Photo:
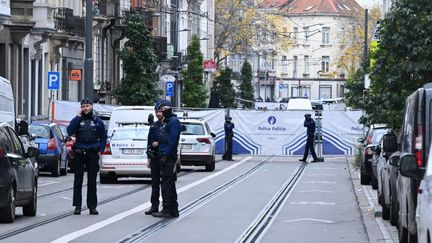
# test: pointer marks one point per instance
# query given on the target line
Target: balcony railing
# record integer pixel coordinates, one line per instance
(65, 21)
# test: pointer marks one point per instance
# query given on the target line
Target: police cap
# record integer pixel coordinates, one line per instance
(163, 103)
(86, 101)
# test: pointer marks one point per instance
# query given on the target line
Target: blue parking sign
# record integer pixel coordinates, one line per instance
(53, 80)
(169, 88)
(281, 86)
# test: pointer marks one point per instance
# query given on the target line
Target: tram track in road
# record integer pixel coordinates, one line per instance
(264, 220)
(62, 215)
(142, 234)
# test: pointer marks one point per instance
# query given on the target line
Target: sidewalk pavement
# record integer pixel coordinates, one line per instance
(378, 230)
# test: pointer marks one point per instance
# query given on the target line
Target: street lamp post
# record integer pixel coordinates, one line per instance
(88, 62)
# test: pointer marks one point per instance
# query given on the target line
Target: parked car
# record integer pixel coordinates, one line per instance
(383, 154)
(125, 154)
(424, 199)
(197, 143)
(52, 149)
(18, 177)
(415, 143)
(368, 144)
(393, 180)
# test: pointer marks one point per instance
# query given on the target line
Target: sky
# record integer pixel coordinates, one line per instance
(369, 3)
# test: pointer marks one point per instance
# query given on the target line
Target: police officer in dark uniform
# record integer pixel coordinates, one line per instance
(90, 141)
(153, 160)
(229, 134)
(310, 124)
(167, 140)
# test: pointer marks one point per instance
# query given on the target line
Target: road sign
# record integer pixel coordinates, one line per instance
(53, 80)
(169, 88)
(209, 65)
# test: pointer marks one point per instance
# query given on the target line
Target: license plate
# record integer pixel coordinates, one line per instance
(186, 146)
(133, 151)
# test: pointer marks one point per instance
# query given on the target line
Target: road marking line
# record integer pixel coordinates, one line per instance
(122, 215)
(48, 183)
(318, 191)
(322, 168)
(309, 219)
(320, 182)
(313, 203)
(67, 198)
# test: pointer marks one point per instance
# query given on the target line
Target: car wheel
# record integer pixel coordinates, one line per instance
(31, 208)
(64, 171)
(374, 182)
(385, 210)
(55, 171)
(7, 214)
(106, 179)
(394, 213)
(403, 234)
(210, 167)
(364, 179)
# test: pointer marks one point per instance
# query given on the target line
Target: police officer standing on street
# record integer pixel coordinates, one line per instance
(90, 141)
(153, 160)
(167, 141)
(310, 124)
(229, 134)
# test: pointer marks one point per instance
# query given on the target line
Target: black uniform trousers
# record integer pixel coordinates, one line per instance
(89, 159)
(310, 146)
(156, 181)
(228, 147)
(169, 192)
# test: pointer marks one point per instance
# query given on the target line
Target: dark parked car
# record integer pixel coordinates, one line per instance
(52, 149)
(415, 143)
(368, 145)
(385, 154)
(18, 177)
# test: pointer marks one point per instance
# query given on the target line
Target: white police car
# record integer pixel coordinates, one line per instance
(125, 153)
(197, 143)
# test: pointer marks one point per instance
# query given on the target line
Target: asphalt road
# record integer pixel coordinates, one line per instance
(252, 199)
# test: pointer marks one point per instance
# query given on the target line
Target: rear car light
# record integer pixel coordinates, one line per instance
(52, 144)
(419, 146)
(369, 139)
(107, 150)
(203, 140)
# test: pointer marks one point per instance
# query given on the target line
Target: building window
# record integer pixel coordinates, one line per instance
(284, 64)
(300, 91)
(306, 33)
(306, 64)
(295, 35)
(325, 91)
(325, 64)
(295, 67)
(326, 35)
(341, 91)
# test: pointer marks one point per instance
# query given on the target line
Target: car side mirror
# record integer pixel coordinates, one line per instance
(408, 166)
(22, 128)
(213, 135)
(389, 143)
(183, 128)
(32, 152)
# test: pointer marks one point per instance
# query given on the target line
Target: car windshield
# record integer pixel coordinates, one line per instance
(136, 133)
(193, 129)
(39, 131)
(377, 135)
